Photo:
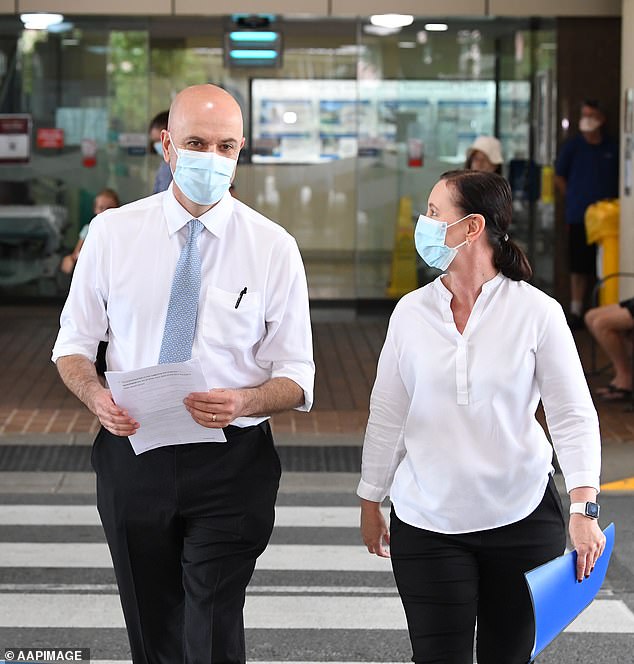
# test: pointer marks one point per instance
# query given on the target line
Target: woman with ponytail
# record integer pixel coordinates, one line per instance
(452, 436)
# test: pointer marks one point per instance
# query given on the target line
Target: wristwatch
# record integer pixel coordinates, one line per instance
(589, 509)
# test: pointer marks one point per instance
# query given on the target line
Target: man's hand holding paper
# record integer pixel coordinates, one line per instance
(215, 408)
(114, 418)
(154, 396)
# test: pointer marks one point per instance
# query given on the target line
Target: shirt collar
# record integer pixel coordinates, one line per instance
(214, 220)
(487, 286)
(492, 284)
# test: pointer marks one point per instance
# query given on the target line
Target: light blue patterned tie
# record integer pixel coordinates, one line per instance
(180, 323)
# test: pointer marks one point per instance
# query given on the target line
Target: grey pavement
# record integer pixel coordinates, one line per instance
(347, 591)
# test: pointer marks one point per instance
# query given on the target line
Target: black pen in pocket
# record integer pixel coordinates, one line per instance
(243, 292)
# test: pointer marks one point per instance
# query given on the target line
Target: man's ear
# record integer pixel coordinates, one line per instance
(165, 141)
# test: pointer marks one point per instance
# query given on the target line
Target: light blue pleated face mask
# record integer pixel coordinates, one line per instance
(429, 237)
(204, 177)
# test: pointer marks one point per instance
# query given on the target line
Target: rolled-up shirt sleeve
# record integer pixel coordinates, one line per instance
(287, 347)
(570, 414)
(383, 446)
(83, 321)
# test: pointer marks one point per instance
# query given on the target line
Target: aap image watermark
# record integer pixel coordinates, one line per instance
(38, 655)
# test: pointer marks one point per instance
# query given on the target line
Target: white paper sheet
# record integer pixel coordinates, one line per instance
(153, 396)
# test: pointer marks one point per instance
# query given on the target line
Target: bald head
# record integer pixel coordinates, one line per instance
(207, 104)
(204, 118)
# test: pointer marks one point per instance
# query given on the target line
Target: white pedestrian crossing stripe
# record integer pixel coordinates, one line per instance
(262, 612)
(87, 515)
(310, 557)
(346, 606)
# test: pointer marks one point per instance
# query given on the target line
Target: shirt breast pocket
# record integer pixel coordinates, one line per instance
(224, 324)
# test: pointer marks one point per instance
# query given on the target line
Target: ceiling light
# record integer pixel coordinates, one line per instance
(392, 20)
(253, 54)
(407, 44)
(253, 36)
(40, 21)
(253, 48)
(436, 27)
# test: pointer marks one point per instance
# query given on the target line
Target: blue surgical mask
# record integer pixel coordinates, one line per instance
(204, 177)
(158, 148)
(429, 238)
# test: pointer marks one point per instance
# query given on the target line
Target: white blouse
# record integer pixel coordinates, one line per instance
(452, 435)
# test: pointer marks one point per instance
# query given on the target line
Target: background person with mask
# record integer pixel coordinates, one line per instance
(190, 273)
(587, 170)
(104, 200)
(485, 154)
(163, 175)
(453, 439)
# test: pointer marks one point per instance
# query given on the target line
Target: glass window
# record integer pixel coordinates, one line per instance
(345, 138)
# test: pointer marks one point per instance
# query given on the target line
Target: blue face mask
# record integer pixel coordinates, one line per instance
(158, 148)
(204, 177)
(429, 238)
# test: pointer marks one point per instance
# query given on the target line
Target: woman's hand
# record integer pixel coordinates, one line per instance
(374, 530)
(589, 542)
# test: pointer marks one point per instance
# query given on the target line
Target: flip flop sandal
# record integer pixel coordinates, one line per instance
(617, 394)
(606, 389)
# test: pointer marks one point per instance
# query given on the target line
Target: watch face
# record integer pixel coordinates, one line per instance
(592, 510)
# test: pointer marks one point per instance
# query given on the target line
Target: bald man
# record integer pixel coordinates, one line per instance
(185, 523)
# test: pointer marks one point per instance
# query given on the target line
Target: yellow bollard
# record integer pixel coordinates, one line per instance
(403, 278)
(602, 227)
(548, 184)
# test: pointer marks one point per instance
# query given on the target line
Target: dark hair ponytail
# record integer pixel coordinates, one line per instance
(489, 194)
(511, 260)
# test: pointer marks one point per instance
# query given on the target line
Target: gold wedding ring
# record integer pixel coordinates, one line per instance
(213, 417)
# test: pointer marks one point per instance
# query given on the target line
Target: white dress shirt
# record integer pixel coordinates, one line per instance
(121, 288)
(452, 434)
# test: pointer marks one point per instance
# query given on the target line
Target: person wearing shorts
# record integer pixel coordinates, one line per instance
(611, 325)
(587, 170)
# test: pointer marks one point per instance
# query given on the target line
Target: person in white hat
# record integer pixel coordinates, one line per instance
(485, 154)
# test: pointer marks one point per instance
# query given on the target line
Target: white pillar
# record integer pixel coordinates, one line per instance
(626, 263)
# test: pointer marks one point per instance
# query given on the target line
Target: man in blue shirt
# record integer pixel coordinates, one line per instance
(587, 170)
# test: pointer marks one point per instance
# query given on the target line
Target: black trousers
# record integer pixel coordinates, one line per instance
(185, 524)
(447, 581)
(582, 256)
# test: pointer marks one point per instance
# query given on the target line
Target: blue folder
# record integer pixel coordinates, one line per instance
(557, 596)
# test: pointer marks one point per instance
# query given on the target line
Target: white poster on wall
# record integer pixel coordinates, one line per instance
(308, 121)
(15, 138)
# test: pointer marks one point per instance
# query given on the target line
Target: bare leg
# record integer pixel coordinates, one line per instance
(608, 325)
